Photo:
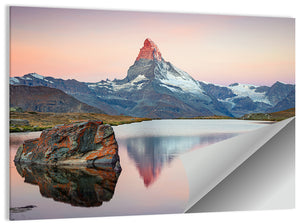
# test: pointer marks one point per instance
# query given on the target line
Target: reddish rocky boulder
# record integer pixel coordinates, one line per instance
(88, 143)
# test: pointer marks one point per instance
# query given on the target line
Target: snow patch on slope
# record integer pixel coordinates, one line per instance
(210, 83)
(229, 102)
(37, 76)
(171, 88)
(247, 90)
(136, 83)
(183, 81)
(48, 80)
(13, 80)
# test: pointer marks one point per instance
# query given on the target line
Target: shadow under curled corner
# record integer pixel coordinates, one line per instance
(266, 180)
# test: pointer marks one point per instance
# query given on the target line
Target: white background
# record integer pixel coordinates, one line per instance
(274, 8)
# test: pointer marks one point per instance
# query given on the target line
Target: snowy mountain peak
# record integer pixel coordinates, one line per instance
(234, 84)
(35, 75)
(280, 83)
(29, 76)
(149, 51)
(163, 74)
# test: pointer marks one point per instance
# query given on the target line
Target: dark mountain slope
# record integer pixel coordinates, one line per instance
(72, 87)
(45, 99)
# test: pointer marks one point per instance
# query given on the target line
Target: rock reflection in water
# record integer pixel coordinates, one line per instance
(78, 186)
(151, 154)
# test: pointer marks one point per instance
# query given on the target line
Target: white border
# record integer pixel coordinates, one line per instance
(274, 8)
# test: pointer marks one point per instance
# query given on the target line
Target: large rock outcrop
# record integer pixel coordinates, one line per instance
(87, 143)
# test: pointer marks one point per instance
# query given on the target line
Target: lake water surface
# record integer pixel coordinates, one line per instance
(152, 181)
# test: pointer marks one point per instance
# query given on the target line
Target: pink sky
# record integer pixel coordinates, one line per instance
(92, 45)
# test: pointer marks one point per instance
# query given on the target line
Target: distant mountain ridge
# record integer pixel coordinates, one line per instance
(46, 99)
(156, 88)
(241, 99)
(72, 87)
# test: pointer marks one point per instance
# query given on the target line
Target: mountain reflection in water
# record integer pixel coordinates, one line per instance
(78, 186)
(153, 179)
(151, 154)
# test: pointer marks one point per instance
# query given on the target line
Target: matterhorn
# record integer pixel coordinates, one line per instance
(155, 88)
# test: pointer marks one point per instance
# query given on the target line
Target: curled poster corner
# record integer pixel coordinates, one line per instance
(207, 167)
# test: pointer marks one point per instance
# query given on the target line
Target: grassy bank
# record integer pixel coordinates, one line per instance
(39, 121)
(275, 116)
